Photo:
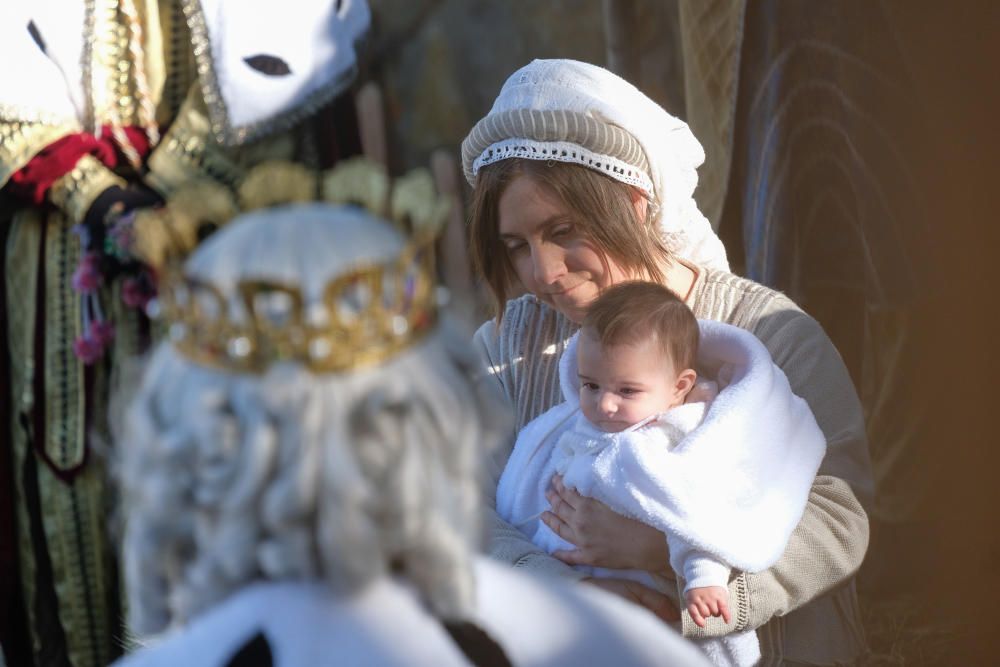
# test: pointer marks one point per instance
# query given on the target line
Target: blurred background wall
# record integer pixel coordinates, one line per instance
(442, 62)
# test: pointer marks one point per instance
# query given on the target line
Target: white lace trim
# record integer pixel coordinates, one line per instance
(564, 151)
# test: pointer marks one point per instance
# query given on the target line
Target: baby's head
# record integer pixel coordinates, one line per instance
(635, 355)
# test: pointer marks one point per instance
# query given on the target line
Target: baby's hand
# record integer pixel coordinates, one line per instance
(707, 601)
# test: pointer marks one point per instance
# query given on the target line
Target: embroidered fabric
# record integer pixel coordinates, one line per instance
(564, 151)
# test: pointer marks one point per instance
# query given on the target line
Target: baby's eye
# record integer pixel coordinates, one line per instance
(590, 386)
(630, 391)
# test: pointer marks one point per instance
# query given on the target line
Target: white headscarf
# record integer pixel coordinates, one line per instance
(672, 151)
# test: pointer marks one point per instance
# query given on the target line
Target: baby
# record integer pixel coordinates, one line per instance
(635, 361)
(722, 467)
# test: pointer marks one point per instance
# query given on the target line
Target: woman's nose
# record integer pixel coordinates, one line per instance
(549, 266)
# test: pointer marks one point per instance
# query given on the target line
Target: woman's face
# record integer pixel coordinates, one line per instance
(550, 256)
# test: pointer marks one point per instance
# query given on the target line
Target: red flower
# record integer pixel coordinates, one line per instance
(133, 294)
(91, 345)
(87, 276)
(101, 333)
(86, 350)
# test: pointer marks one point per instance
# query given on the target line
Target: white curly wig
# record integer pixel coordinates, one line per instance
(228, 478)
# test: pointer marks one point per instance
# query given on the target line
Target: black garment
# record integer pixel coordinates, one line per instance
(481, 649)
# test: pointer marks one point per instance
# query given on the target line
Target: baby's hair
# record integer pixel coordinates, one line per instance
(633, 311)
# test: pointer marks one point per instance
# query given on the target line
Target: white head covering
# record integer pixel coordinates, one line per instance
(672, 152)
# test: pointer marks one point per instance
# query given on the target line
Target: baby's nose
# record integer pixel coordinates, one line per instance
(609, 404)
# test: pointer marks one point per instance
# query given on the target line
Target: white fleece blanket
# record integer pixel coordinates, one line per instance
(726, 481)
(733, 488)
(575, 458)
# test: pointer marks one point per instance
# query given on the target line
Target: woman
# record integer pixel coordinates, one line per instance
(581, 181)
(299, 470)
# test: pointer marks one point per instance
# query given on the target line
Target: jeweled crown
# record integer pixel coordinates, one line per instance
(369, 313)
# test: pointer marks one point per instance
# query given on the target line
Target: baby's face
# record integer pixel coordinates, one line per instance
(620, 385)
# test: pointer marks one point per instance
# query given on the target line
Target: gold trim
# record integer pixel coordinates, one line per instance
(75, 192)
(372, 312)
(89, 119)
(75, 517)
(165, 235)
(276, 183)
(22, 253)
(23, 115)
(188, 152)
(73, 514)
(63, 370)
(22, 140)
(399, 310)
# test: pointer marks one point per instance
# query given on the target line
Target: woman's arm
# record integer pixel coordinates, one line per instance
(829, 544)
(505, 542)
(833, 534)
(825, 549)
(816, 372)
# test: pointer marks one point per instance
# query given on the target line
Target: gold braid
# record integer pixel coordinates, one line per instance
(147, 111)
(115, 119)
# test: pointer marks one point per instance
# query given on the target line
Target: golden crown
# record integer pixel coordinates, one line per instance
(370, 313)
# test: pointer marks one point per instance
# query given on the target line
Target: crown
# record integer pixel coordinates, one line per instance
(367, 314)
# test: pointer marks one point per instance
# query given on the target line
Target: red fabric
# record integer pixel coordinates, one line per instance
(57, 159)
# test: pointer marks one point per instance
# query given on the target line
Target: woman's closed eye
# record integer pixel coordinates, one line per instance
(561, 231)
(514, 245)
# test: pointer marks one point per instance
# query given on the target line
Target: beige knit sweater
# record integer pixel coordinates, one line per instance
(805, 606)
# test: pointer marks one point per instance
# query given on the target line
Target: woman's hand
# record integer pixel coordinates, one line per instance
(636, 593)
(602, 537)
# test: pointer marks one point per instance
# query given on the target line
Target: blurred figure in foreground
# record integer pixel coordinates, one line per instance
(299, 464)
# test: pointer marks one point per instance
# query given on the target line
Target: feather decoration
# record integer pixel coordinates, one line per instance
(37, 37)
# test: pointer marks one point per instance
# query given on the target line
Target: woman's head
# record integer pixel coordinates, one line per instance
(288, 473)
(561, 231)
(564, 112)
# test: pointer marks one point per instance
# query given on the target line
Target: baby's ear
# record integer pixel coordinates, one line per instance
(685, 382)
